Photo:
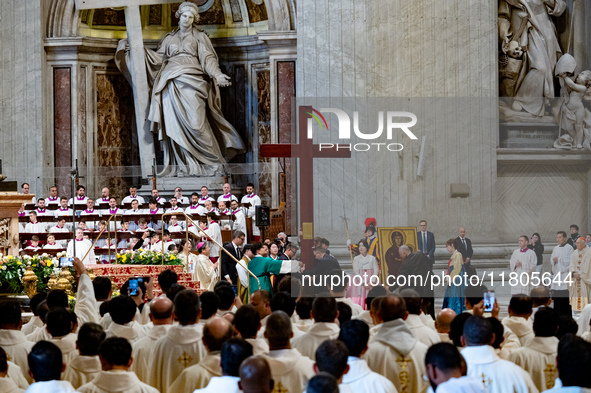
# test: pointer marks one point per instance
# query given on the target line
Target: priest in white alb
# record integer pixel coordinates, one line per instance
(181, 347)
(497, 375)
(560, 263)
(289, 368)
(215, 332)
(580, 269)
(324, 313)
(538, 357)
(394, 352)
(83, 248)
(523, 262)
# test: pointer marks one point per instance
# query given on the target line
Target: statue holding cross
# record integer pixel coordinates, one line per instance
(184, 108)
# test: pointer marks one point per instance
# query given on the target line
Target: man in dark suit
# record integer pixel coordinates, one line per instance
(228, 264)
(466, 243)
(426, 241)
(324, 264)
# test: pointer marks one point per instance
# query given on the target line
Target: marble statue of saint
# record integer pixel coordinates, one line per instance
(574, 115)
(185, 106)
(528, 24)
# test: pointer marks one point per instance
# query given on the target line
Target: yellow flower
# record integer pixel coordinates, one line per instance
(49, 263)
(18, 263)
(9, 257)
(172, 258)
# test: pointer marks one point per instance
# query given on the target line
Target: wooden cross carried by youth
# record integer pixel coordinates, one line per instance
(139, 76)
(306, 151)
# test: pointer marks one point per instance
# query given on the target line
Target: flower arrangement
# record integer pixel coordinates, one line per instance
(12, 269)
(147, 257)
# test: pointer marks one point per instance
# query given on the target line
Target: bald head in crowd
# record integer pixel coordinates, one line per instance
(443, 321)
(161, 311)
(255, 376)
(215, 333)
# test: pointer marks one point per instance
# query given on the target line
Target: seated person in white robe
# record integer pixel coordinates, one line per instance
(175, 226)
(255, 376)
(289, 368)
(83, 367)
(360, 379)
(234, 352)
(132, 196)
(157, 212)
(215, 333)
(34, 244)
(12, 339)
(135, 209)
(115, 377)
(195, 207)
(573, 363)
(34, 226)
(247, 323)
(324, 313)
(51, 243)
(178, 194)
(394, 352)
(63, 210)
(90, 211)
(240, 218)
(82, 247)
(157, 197)
(444, 365)
(174, 207)
(122, 310)
(499, 375)
(42, 209)
(182, 346)
(80, 199)
(538, 357)
(46, 366)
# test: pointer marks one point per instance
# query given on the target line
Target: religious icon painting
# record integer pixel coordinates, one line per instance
(390, 240)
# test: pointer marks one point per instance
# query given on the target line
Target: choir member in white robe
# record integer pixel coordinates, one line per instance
(82, 368)
(324, 313)
(254, 201)
(174, 226)
(240, 219)
(538, 357)
(580, 269)
(112, 210)
(135, 210)
(52, 199)
(161, 316)
(205, 196)
(103, 201)
(424, 334)
(158, 198)
(394, 352)
(115, 355)
(560, 262)
(80, 199)
(174, 207)
(178, 194)
(289, 368)
(215, 333)
(42, 210)
(227, 195)
(34, 226)
(90, 211)
(133, 196)
(215, 232)
(360, 378)
(498, 375)
(82, 247)
(181, 347)
(523, 262)
(12, 339)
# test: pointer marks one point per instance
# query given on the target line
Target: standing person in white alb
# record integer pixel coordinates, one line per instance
(254, 201)
(523, 262)
(580, 269)
(183, 200)
(240, 221)
(227, 196)
(103, 201)
(214, 231)
(52, 199)
(560, 262)
(82, 247)
(205, 196)
(80, 198)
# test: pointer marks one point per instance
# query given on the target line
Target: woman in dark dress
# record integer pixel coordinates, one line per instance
(537, 246)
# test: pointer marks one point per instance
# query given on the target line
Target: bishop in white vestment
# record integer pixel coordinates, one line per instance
(580, 269)
(538, 359)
